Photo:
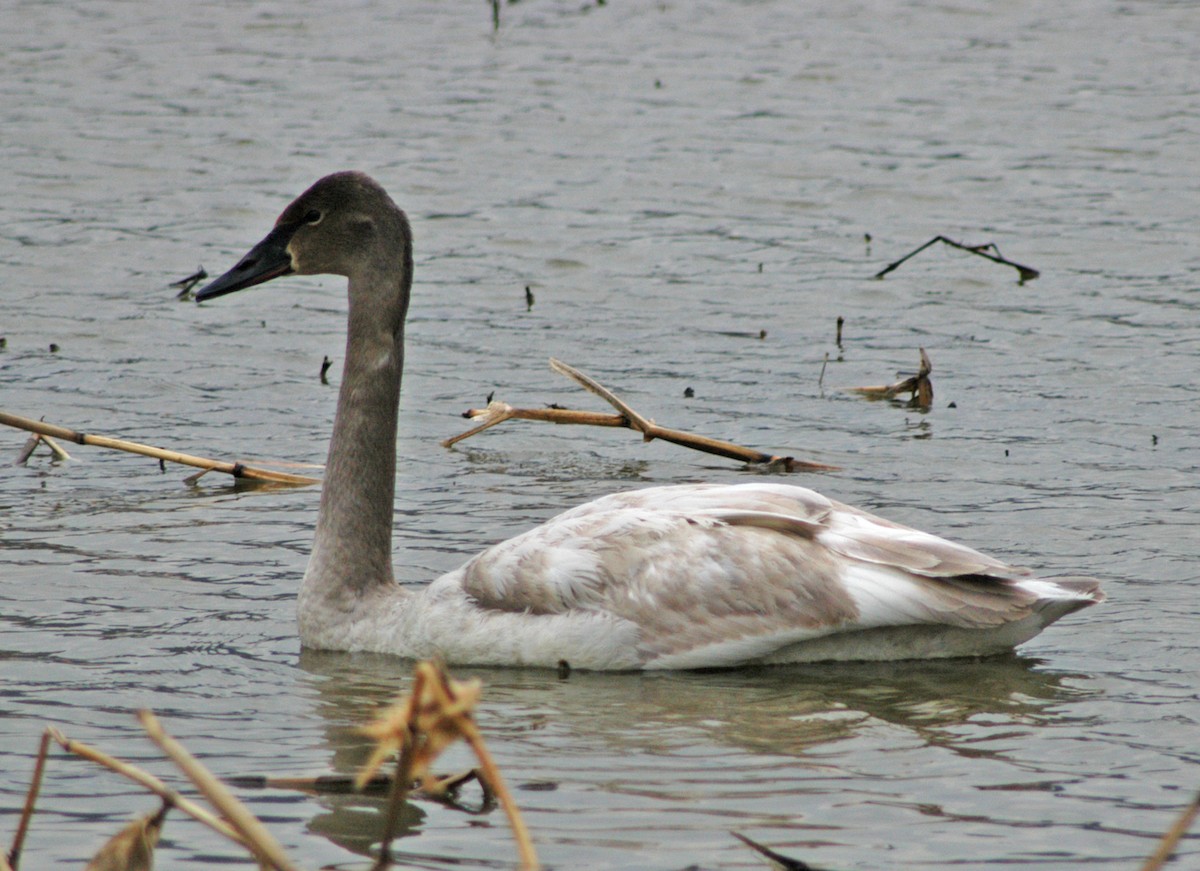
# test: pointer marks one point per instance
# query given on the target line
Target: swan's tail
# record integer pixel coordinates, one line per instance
(1058, 597)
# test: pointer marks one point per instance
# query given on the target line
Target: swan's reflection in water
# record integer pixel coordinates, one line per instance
(544, 729)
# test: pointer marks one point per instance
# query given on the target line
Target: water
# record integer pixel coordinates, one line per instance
(669, 179)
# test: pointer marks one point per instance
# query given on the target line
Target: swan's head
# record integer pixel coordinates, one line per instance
(335, 227)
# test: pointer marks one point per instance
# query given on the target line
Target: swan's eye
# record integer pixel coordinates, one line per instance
(312, 217)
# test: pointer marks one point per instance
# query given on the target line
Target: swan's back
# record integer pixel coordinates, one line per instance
(710, 575)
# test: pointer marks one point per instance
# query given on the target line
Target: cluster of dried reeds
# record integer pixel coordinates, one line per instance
(418, 728)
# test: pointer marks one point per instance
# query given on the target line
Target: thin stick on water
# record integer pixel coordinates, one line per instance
(498, 412)
(989, 250)
(237, 470)
(1173, 836)
(774, 859)
(251, 831)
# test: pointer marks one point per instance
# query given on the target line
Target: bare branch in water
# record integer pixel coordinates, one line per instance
(989, 250)
(498, 412)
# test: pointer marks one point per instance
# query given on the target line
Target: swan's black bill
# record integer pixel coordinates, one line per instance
(266, 260)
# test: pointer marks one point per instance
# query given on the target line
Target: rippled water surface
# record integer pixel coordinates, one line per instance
(669, 179)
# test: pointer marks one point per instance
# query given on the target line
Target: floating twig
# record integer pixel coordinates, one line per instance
(498, 412)
(443, 788)
(237, 470)
(989, 250)
(919, 385)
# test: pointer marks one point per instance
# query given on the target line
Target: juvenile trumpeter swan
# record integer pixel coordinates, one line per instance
(691, 576)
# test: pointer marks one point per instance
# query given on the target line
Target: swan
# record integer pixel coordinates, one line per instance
(676, 577)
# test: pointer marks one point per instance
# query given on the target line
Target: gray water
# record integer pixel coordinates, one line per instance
(669, 179)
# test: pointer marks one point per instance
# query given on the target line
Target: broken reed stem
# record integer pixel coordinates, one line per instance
(251, 831)
(636, 421)
(1026, 273)
(490, 775)
(919, 385)
(1173, 836)
(13, 858)
(397, 795)
(31, 445)
(149, 781)
(237, 470)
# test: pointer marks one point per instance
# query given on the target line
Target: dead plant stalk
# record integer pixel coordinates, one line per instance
(237, 470)
(627, 417)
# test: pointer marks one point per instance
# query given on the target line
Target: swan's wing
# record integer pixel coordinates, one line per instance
(855, 533)
(717, 574)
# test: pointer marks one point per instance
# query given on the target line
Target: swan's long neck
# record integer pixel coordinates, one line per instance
(352, 551)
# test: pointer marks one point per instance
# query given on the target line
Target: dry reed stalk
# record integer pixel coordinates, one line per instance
(251, 831)
(149, 781)
(13, 858)
(1173, 836)
(432, 717)
(237, 470)
(397, 795)
(919, 385)
(498, 412)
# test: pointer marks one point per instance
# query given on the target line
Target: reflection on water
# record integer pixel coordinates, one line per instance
(791, 712)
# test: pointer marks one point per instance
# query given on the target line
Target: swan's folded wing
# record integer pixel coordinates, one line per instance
(857, 534)
(637, 545)
(716, 576)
